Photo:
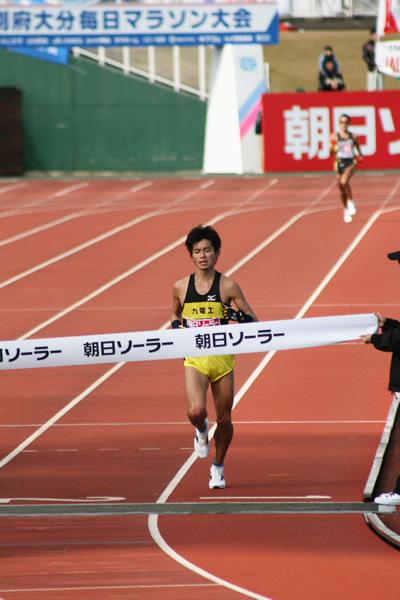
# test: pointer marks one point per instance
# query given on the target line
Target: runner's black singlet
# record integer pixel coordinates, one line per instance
(345, 156)
(203, 310)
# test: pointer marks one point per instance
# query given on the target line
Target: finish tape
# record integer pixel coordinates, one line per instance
(178, 343)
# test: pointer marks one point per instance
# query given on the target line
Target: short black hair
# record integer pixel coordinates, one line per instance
(346, 117)
(203, 232)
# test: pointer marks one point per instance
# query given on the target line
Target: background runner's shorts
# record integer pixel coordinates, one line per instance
(214, 367)
(343, 163)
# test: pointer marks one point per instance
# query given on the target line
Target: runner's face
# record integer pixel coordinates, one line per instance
(343, 123)
(203, 255)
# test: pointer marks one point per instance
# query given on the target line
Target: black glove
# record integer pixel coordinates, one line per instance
(231, 314)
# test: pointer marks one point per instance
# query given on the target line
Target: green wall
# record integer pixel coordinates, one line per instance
(83, 117)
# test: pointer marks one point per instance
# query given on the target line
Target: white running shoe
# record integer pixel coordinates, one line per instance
(390, 498)
(351, 209)
(201, 443)
(347, 218)
(217, 479)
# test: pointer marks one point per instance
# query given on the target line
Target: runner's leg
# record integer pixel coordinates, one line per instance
(223, 393)
(196, 384)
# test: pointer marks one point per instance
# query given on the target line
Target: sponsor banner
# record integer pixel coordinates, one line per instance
(387, 58)
(297, 129)
(132, 24)
(178, 343)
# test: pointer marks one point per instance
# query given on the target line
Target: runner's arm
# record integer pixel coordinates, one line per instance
(357, 145)
(176, 314)
(235, 293)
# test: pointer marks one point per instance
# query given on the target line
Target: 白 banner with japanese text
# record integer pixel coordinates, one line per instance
(297, 129)
(178, 343)
(133, 24)
(387, 58)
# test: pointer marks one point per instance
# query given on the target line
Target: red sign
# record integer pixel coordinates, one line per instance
(297, 128)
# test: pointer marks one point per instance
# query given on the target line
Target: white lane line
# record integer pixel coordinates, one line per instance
(11, 188)
(186, 424)
(111, 587)
(134, 189)
(88, 499)
(71, 188)
(246, 498)
(41, 201)
(41, 228)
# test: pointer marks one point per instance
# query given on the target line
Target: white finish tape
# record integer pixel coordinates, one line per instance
(178, 343)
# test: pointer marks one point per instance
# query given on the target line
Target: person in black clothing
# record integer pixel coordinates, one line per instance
(389, 341)
(369, 51)
(330, 80)
(374, 77)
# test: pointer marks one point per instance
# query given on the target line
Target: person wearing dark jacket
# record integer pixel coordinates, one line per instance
(389, 341)
(369, 51)
(330, 80)
(374, 77)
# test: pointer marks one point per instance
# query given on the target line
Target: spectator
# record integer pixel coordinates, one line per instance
(369, 51)
(330, 80)
(374, 78)
(328, 53)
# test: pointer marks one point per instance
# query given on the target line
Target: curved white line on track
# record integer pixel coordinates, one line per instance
(154, 531)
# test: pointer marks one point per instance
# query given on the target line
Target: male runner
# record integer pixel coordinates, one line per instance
(202, 300)
(343, 145)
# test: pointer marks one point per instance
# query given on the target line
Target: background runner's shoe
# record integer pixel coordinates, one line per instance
(217, 479)
(351, 209)
(390, 498)
(347, 218)
(201, 443)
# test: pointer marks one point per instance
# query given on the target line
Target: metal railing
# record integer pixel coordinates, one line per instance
(143, 63)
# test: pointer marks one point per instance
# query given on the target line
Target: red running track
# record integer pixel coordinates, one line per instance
(96, 256)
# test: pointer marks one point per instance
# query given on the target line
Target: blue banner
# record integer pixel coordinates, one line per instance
(138, 24)
(54, 54)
